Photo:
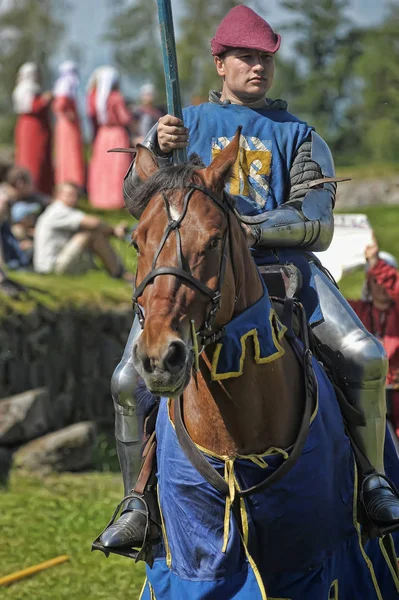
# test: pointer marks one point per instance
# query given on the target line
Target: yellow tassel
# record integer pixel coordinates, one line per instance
(230, 480)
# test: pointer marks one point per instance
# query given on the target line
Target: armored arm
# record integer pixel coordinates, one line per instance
(150, 141)
(306, 219)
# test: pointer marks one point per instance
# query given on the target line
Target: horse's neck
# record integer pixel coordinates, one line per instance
(248, 286)
(259, 409)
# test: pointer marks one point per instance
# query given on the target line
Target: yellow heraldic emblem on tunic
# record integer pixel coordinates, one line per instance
(251, 170)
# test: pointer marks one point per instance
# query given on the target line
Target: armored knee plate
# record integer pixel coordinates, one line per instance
(357, 357)
(124, 388)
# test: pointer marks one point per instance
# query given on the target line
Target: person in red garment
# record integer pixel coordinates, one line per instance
(106, 171)
(91, 111)
(69, 160)
(33, 131)
(379, 311)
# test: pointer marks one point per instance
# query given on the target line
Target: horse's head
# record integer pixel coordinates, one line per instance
(185, 282)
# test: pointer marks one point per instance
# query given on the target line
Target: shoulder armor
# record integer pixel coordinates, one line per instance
(321, 154)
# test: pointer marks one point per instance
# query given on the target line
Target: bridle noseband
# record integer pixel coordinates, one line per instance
(205, 335)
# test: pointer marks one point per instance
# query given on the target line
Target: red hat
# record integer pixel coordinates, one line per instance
(243, 28)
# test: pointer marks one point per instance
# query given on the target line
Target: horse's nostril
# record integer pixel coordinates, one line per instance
(143, 358)
(147, 364)
(176, 356)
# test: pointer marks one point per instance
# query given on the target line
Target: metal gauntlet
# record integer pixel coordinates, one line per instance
(306, 219)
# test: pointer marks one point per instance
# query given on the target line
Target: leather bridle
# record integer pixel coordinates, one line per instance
(204, 335)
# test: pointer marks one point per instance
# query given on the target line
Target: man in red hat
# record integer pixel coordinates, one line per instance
(279, 162)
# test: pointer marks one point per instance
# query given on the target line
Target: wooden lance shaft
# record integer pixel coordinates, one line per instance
(13, 577)
(173, 98)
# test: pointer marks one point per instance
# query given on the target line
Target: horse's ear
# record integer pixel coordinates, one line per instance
(215, 175)
(145, 163)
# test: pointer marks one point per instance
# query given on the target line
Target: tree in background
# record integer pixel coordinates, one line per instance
(30, 30)
(134, 33)
(377, 71)
(320, 70)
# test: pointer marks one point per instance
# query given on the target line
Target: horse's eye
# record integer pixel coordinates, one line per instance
(214, 244)
(135, 246)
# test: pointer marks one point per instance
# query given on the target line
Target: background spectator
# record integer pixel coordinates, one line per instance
(20, 187)
(106, 171)
(11, 253)
(66, 238)
(69, 160)
(91, 111)
(379, 311)
(32, 131)
(25, 205)
(146, 113)
(23, 217)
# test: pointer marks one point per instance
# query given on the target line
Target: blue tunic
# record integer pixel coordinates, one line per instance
(268, 143)
(261, 175)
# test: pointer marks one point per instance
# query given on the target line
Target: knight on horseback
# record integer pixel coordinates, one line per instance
(284, 168)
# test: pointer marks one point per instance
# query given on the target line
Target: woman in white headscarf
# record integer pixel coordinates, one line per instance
(33, 131)
(91, 91)
(69, 159)
(106, 171)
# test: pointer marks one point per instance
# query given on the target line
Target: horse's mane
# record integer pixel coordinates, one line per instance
(166, 178)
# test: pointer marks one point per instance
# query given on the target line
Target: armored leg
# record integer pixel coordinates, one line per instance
(360, 366)
(132, 403)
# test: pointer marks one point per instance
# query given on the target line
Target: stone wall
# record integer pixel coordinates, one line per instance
(71, 353)
(362, 193)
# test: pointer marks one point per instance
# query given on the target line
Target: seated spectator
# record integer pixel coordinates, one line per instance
(66, 238)
(23, 217)
(12, 254)
(21, 188)
(379, 311)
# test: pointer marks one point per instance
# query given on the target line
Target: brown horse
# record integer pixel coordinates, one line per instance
(224, 535)
(242, 415)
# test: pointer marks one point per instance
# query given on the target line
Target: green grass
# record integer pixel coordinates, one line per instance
(368, 171)
(63, 514)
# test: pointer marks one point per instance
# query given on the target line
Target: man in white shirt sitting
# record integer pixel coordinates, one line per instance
(65, 237)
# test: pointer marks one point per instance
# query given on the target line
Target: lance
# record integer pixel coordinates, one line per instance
(173, 98)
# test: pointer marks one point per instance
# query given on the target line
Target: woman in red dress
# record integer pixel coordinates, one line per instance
(91, 90)
(106, 171)
(69, 160)
(32, 131)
